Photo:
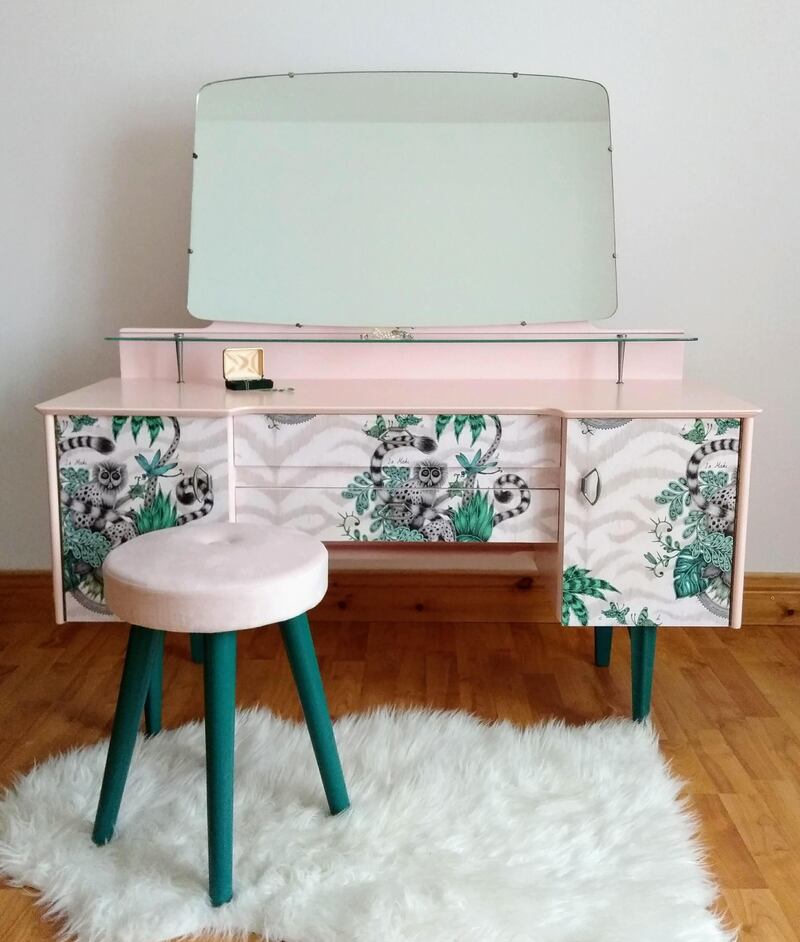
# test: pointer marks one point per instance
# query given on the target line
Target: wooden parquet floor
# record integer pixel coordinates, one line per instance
(726, 703)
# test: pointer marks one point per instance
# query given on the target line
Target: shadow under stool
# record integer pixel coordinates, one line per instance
(212, 581)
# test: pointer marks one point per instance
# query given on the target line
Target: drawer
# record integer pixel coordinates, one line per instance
(363, 512)
(478, 444)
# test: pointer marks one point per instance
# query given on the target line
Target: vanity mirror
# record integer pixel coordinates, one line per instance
(402, 199)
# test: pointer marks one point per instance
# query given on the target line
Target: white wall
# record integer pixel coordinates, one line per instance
(96, 110)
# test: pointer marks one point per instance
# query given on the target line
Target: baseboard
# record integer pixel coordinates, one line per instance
(511, 585)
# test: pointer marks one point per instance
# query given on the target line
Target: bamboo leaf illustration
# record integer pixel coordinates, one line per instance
(117, 425)
(442, 421)
(136, 424)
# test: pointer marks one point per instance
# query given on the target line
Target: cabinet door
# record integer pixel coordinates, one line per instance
(122, 476)
(649, 521)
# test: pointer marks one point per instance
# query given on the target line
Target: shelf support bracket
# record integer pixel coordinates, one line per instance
(178, 337)
(620, 358)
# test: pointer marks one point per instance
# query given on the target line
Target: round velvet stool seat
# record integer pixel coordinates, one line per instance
(213, 580)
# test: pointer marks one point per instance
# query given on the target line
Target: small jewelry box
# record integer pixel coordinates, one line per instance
(243, 363)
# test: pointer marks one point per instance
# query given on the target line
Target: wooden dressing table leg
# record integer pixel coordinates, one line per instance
(303, 661)
(152, 703)
(197, 647)
(142, 645)
(603, 637)
(643, 653)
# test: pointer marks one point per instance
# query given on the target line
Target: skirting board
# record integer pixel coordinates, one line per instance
(507, 587)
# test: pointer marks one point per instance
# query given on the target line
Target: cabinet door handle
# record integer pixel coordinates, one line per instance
(585, 489)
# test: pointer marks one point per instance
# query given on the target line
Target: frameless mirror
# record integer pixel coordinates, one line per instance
(402, 199)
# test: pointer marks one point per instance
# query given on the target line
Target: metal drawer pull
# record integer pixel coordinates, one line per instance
(584, 490)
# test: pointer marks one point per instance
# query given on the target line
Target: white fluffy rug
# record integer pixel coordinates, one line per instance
(459, 831)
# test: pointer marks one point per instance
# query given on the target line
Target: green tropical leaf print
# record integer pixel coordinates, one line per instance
(442, 421)
(712, 481)
(676, 496)
(694, 519)
(724, 424)
(697, 433)
(153, 467)
(472, 521)
(573, 604)
(160, 515)
(86, 546)
(475, 465)
(136, 423)
(118, 424)
(688, 577)
(73, 478)
(80, 421)
(577, 582)
(155, 424)
(362, 491)
(396, 533)
(395, 475)
(477, 423)
(714, 549)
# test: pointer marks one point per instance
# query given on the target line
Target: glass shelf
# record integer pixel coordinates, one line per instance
(548, 337)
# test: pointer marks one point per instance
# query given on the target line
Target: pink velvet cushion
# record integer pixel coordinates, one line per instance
(215, 577)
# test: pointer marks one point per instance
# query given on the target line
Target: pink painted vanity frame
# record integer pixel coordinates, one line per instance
(571, 380)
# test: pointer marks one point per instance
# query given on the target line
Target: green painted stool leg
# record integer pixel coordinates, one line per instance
(643, 653)
(303, 661)
(197, 647)
(152, 703)
(142, 645)
(219, 679)
(602, 645)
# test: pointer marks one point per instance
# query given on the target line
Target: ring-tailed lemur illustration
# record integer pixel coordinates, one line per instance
(96, 442)
(95, 505)
(198, 487)
(504, 495)
(719, 512)
(413, 503)
(469, 484)
(500, 489)
(720, 508)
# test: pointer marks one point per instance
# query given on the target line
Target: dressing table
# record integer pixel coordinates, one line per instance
(506, 416)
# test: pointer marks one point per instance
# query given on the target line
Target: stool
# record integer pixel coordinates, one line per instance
(214, 580)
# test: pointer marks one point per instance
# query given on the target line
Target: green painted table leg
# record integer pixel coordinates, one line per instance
(142, 645)
(197, 647)
(152, 703)
(643, 654)
(219, 679)
(303, 661)
(602, 645)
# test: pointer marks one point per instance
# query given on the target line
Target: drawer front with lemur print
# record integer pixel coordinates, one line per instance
(429, 478)
(121, 476)
(649, 521)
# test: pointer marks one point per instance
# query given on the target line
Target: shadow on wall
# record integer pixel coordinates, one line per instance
(118, 220)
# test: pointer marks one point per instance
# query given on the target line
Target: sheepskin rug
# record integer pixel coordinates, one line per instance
(459, 831)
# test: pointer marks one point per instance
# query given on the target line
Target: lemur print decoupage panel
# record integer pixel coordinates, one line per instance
(121, 476)
(656, 545)
(410, 478)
